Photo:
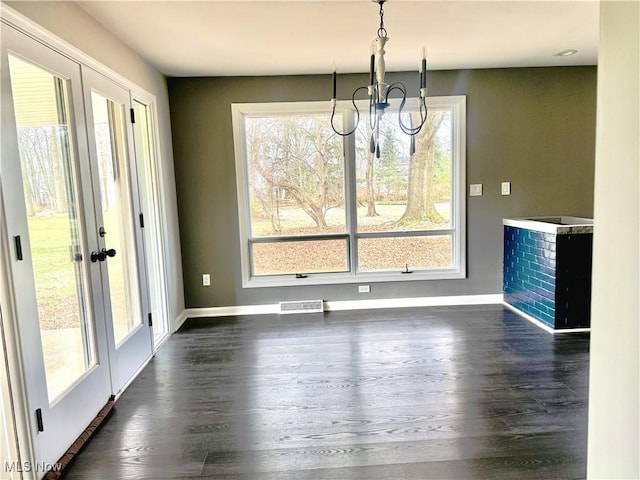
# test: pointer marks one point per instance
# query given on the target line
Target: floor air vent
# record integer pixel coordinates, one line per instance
(302, 306)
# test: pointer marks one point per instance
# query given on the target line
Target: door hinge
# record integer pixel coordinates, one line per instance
(133, 115)
(39, 421)
(141, 220)
(18, 243)
(150, 320)
(76, 253)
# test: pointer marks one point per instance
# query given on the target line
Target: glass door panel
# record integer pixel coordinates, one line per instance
(118, 222)
(49, 177)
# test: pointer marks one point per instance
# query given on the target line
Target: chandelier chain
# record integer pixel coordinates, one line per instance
(382, 32)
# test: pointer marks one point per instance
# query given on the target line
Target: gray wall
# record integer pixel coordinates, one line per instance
(534, 127)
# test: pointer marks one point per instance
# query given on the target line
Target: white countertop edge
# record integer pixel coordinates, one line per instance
(542, 226)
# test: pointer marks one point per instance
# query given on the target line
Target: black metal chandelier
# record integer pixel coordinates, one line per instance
(378, 92)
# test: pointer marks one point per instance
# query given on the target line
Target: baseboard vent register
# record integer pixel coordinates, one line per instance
(302, 306)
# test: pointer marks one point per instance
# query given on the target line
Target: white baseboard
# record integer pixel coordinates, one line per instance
(544, 326)
(180, 319)
(338, 305)
(452, 300)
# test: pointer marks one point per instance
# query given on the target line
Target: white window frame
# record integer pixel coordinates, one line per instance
(457, 230)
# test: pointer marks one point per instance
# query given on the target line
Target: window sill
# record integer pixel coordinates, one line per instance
(347, 278)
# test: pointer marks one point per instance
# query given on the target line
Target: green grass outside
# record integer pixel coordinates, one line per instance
(56, 278)
(294, 219)
(54, 271)
(57, 298)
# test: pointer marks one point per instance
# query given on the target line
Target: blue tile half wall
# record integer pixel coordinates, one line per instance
(529, 272)
(548, 276)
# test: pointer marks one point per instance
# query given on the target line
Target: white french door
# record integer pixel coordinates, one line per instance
(117, 204)
(70, 207)
(48, 209)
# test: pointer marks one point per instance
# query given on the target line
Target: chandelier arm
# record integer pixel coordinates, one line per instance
(355, 126)
(373, 114)
(406, 130)
(397, 86)
(423, 110)
(423, 105)
(409, 130)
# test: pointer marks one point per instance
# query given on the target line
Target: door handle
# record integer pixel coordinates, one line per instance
(98, 256)
(102, 255)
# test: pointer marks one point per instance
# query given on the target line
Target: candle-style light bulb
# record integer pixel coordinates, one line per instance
(423, 68)
(373, 63)
(334, 80)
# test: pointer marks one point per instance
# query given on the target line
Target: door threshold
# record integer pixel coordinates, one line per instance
(77, 446)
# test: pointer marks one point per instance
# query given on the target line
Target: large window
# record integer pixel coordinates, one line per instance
(319, 208)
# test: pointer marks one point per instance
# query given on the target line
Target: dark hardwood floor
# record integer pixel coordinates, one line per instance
(416, 393)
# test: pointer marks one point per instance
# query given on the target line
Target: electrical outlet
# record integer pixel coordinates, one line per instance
(475, 190)
(206, 279)
(364, 289)
(506, 188)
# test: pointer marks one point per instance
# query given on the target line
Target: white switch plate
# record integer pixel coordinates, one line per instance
(206, 280)
(364, 289)
(475, 190)
(506, 188)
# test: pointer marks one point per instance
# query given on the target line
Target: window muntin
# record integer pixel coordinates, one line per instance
(363, 246)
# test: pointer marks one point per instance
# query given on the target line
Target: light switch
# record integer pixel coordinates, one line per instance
(475, 190)
(506, 188)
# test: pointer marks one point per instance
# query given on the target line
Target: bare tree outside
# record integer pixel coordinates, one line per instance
(295, 161)
(406, 192)
(42, 180)
(422, 191)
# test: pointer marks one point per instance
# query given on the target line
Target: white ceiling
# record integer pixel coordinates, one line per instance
(222, 38)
